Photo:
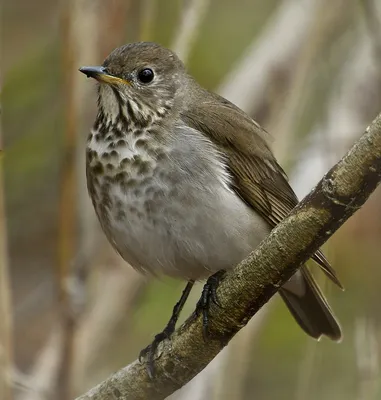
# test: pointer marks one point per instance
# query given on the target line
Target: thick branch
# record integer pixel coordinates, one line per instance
(341, 192)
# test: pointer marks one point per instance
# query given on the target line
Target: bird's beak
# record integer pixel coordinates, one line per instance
(100, 74)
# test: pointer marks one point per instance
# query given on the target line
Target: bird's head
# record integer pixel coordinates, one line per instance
(138, 81)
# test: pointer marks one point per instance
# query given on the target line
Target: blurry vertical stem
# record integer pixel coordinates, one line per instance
(77, 236)
(315, 38)
(367, 359)
(186, 34)
(286, 127)
(113, 298)
(372, 13)
(5, 298)
(232, 379)
(148, 12)
(113, 23)
(67, 211)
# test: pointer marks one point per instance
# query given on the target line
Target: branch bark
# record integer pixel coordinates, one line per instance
(340, 193)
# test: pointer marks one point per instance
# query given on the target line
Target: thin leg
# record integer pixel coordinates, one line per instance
(209, 293)
(150, 350)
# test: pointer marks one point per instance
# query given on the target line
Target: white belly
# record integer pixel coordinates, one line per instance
(181, 218)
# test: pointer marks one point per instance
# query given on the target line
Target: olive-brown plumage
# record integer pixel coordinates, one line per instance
(184, 182)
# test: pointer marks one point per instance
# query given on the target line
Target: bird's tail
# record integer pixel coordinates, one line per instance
(308, 306)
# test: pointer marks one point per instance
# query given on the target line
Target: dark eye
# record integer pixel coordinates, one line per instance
(146, 75)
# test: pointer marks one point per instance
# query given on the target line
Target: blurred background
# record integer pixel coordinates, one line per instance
(71, 310)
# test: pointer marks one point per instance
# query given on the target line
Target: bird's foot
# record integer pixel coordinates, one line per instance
(208, 295)
(149, 352)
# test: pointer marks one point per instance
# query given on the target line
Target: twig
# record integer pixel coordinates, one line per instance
(284, 127)
(341, 192)
(276, 47)
(237, 362)
(113, 24)
(355, 97)
(201, 386)
(80, 18)
(148, 12)
(5, 299)
(40, 384)
(186, 34)
(119, 285)
(367, 359)
(372, 13)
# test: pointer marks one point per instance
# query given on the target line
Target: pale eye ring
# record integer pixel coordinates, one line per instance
(146, 75)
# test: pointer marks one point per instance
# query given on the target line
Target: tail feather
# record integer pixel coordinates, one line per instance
(308, 306)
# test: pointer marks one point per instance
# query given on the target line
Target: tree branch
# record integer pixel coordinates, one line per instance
(341, 192)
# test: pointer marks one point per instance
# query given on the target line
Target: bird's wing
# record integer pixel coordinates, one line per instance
(256, 176)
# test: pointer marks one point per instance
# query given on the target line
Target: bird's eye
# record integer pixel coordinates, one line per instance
(146, 75)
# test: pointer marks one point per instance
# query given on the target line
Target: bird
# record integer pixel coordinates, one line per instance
(185, 184)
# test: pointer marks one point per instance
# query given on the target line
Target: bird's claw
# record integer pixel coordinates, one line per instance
(208, 295)
(149, 352)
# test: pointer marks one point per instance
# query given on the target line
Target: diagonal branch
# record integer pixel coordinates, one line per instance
(341, 192)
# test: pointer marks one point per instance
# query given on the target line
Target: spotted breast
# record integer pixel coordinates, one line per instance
(167, 207)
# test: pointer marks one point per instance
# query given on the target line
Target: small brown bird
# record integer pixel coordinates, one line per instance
(184, 182)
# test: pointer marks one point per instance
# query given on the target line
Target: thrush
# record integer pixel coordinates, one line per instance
(184, 183)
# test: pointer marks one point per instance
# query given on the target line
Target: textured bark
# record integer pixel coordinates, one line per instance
(341, 192)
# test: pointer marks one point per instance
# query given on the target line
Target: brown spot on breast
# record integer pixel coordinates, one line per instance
(106, 155)
(144, 167)
(121, 177)
(89, 155)
(136, 160)
(159, 194)
(121, 143)
(106, 186)
(133, 210)
(118, 133)
(106, 200)
(95, 181)
(150, 190)
(128, 184)
(146, 181)
(125, 162)
(104, 129)
(137, 132)
(114, 154)
(141, 143)
(97, 169)
(110, 166)
(174, 192)
(120, 215)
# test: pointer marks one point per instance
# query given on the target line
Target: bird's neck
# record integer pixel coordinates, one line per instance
(117, 112)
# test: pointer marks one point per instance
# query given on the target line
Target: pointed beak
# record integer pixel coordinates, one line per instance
(100, 74)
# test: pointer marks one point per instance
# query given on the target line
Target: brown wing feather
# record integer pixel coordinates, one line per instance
(257, 177)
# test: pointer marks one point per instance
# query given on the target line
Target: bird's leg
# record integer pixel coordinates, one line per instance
(209, 293)
(150, 350)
